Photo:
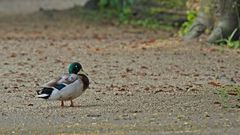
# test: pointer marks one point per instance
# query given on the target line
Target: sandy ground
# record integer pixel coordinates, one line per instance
(13, 7)
(143, 82)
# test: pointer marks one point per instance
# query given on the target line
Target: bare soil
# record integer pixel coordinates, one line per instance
(142, 81)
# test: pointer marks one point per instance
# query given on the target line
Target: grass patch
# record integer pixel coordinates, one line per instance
(229, 42)
(229, 96)
(148, 14)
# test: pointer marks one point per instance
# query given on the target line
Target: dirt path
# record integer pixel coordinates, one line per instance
(140, 85)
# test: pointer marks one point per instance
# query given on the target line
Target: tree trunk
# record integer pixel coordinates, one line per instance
(227, 14)
(227, 17)
(203, 21)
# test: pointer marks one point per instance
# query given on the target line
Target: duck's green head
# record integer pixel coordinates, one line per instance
(74, 68)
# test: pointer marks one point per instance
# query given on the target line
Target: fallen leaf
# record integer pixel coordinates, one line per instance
(214, 83)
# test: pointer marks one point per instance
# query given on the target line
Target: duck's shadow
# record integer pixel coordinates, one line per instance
(80, 106)
(75, 106)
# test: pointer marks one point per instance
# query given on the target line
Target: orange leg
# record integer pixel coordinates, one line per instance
(71, 103)
(62, 103)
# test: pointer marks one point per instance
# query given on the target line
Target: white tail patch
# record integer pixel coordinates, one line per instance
(42, 95)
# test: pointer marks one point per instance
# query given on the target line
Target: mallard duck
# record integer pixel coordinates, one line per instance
(67, 87)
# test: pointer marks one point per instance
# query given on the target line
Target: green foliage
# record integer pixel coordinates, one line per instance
(116, 4)
(223, 95)
(238, 92)
(147, 23)
(191, 15)
(229, 41)
(122, 9)
(170, 4)
(147, 11)
(229, 96)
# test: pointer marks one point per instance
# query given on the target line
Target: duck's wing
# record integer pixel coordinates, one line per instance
(51, 83)
(69, 79)
(59, 86)
(58, 80)
(53, 92)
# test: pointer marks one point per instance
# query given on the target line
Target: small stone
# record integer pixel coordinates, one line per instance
(147, 88)
(157, 91)
(216, 102)
(144, 67)
(129, 70)
(122, 89)
(93, 115)
(129, 94)
(30, 104)
(123, 76)
(98, 90)
(4, 114)
(206, 114)
(13, 55)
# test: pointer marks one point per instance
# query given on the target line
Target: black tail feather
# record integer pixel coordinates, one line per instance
(47, 91)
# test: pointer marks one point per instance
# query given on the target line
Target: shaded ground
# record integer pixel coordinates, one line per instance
(12, 7)
(140, 85)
